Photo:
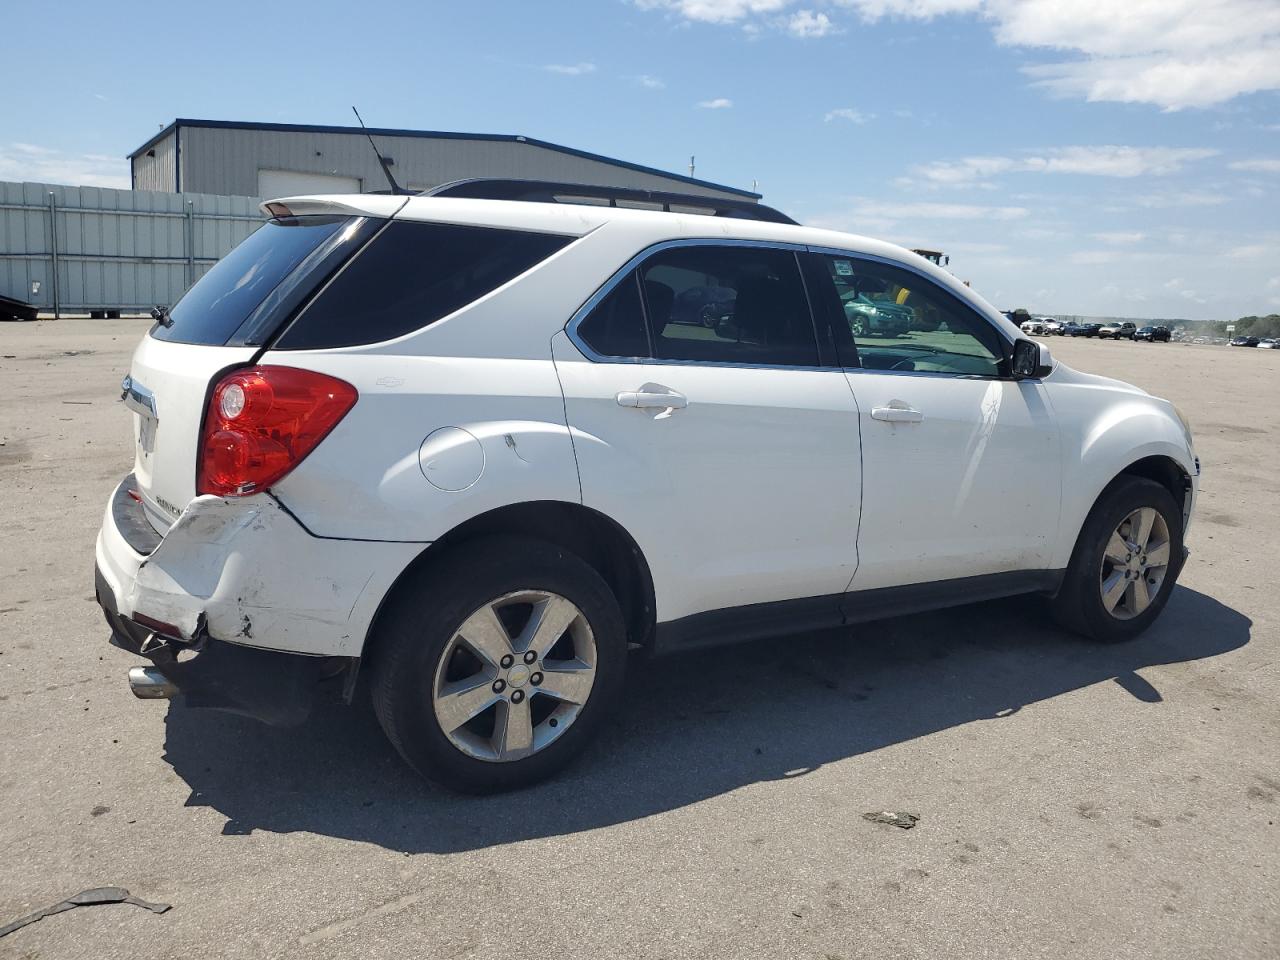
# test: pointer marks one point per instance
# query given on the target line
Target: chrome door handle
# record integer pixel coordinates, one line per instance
(897, 412)
(643, 398)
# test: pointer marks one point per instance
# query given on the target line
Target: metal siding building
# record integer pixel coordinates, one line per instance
(240, 159)
(93, 248)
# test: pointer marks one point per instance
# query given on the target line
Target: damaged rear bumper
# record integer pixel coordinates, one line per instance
(274, 687)
(237, 605)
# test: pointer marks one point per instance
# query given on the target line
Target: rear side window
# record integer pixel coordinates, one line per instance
(220, 301)
(410, 275)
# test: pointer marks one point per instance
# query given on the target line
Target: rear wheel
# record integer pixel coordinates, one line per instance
(496, 665)
(1125, 563)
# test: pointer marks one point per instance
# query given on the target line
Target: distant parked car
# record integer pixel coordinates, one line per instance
(1244, 342)
(1051, 326)
(1153, 334)
(1266, 343)
(1083, 329)
(1034, 325)
(1118, 330)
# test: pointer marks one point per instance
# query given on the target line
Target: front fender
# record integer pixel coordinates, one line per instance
(1111, 434)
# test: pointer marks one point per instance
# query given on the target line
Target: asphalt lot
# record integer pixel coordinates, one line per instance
(1075, 801)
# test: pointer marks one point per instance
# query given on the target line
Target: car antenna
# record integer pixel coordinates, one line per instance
(386, 167)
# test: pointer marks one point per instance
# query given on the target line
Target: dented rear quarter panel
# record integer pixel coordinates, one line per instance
(235, 566)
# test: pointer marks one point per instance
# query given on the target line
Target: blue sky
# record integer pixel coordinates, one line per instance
(1073, 156)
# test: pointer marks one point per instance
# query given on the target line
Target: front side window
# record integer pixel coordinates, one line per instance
(901, 321)
(728, 304)
(411, 275)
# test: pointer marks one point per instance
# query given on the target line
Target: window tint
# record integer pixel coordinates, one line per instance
(220, 301)
(901, 321)
(411, 275)
(728, 304)
(615, 328)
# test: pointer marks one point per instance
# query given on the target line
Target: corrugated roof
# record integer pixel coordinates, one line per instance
(434, 135)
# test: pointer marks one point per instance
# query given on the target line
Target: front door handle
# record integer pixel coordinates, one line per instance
(897, 412)
(653, 395)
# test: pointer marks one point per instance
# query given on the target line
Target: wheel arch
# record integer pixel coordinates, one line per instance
(1164, 470)
(1160, 467)
(603, 543)
(1122, 437)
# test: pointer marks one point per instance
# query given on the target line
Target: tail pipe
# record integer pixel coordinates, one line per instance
(148, 683)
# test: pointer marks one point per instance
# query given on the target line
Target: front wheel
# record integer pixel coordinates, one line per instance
(1125, 564)
(495, 667)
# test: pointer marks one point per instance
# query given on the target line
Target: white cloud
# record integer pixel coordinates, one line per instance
(806, 23)
(1120, 238)
(1099, 161)
(25, 161)
(1171, 53)
(1257, 166)
(938, 211)
(963, 171)
(1177, 198)
(1093, 257)
(719, 103)
(850, 114)
(715, 11)
(571, 69)
(1114, 161)
(650, 83)
(1252, 251)
(912, 9)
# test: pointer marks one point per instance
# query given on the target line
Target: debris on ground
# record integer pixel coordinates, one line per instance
(86, 898)
(894, 818)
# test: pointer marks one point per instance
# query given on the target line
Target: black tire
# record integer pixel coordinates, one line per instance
(429, 606)
(1078, 605)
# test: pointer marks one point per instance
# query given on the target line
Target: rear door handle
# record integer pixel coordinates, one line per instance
(652, 395)
(897, 412)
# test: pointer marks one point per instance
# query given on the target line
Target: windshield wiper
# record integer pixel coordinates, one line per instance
(161, 316)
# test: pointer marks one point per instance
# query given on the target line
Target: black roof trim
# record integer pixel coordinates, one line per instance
(435, 135)
(549, 191)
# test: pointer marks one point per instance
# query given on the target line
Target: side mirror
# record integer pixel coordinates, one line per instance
(1030, 359)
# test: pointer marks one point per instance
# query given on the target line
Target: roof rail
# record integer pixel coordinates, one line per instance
(548, 191)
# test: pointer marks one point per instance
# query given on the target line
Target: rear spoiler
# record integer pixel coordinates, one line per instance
(349, 205)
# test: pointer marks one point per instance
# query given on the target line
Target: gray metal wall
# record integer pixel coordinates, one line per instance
(227, 161)
(113, 249)
(160, 172)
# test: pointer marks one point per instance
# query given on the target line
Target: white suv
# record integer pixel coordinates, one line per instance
(473, 446)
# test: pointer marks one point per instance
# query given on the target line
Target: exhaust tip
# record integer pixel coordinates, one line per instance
(148, 683)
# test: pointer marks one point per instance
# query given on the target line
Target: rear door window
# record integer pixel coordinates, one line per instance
(411, 275)
(615, 326)
(220, 301)
(728, 304)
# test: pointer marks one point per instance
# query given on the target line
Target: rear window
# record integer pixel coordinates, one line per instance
(410, 275)
(219, 302)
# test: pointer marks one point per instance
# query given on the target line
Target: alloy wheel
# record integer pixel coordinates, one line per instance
(515, 676)
(1134, 563)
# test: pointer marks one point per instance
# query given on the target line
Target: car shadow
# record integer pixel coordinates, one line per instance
(690, 727)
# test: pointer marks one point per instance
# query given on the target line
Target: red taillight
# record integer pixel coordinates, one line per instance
(262, 422)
